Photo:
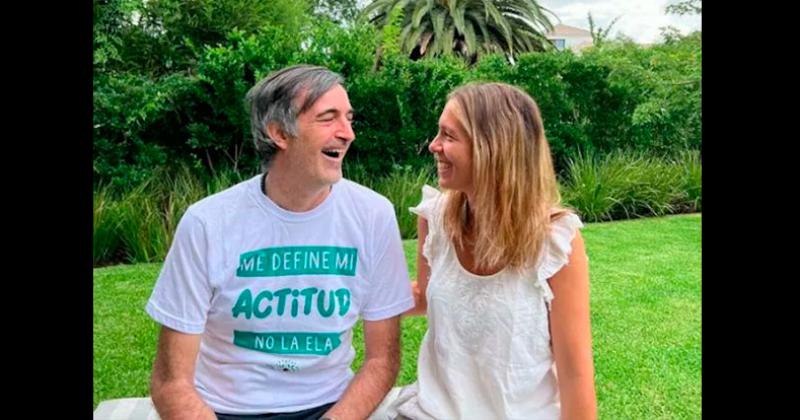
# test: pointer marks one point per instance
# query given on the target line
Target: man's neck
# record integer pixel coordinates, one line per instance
(290, 193)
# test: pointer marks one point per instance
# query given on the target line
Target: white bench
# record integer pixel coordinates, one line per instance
(126, 409)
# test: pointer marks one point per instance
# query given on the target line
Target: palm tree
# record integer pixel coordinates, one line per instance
(466, 27)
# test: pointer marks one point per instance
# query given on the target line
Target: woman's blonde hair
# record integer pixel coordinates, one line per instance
(515, 190)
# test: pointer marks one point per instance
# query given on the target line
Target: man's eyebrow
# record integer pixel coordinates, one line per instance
(333, 111)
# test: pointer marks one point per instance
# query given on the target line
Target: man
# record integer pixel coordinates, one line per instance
(264, 281)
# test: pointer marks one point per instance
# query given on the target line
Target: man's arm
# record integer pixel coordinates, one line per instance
(172, 385)
(376, 376)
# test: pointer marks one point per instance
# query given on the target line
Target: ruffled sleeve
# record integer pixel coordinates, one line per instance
(430, 208)
(556, 251)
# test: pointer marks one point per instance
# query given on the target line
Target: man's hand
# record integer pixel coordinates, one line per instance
(172, 385)
(376, 376)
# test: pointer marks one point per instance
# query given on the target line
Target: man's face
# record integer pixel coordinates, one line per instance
(324, 133)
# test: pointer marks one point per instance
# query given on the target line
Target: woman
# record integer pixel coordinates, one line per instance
(502, 273)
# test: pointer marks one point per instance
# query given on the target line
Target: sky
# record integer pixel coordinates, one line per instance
(640, 19)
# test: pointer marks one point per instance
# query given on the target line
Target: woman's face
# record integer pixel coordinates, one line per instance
(452, 150)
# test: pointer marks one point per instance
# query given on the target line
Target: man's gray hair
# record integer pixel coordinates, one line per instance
(276, 99)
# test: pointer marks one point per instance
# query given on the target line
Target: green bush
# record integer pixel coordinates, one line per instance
(617, 97)
(624, 185)
(136, 125)
(160, 37)
(200, 119)
(691, 180)
(105, 241)
(663, 86)
(397, 110)
(141, 226)
(580, 109)
(136, 225)
(403, 187)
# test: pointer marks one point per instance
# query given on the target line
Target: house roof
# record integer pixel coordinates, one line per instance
(566, 30)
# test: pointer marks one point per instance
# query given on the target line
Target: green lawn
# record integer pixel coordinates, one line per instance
(646, 313)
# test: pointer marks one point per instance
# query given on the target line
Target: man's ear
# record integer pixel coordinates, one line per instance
(277, 135)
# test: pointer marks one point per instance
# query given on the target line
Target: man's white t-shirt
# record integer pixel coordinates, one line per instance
(275, 294)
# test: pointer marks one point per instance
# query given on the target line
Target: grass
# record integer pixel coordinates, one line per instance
(646, 311)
